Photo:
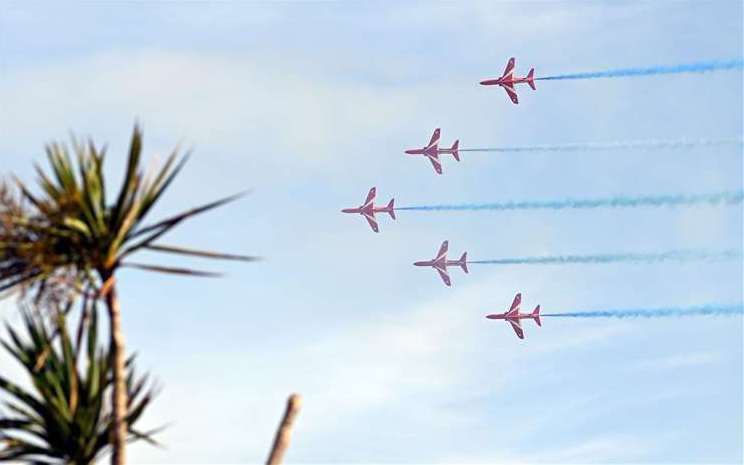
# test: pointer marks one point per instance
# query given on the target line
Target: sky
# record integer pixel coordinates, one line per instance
(309, 104)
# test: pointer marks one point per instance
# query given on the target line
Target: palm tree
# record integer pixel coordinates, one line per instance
(70, 238)
(65, 417)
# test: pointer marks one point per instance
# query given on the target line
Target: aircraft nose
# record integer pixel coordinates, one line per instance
(491, 317)
(418, 263)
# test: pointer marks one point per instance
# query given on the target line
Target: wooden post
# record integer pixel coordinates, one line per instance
(281, 440)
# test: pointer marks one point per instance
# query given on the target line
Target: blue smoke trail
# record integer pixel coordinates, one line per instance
(700, 67)
(720, 198)
(704, 310)
(598, 146)
(673, 255)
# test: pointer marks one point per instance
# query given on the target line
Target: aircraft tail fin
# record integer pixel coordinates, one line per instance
(455, 150)
(531, 78)
(390, 209)
(536, 315)
(463, 262)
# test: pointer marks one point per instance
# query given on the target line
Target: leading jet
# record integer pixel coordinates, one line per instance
(368, 209)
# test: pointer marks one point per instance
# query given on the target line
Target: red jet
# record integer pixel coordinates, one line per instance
(368, 209)
(513, 316)
(432, 151)
(508, 80)
(440, 263)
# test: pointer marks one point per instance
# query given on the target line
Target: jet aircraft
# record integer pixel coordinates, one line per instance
(508, 81)
(432, 151)
(513, 316)
(440, 263)
(368, 209)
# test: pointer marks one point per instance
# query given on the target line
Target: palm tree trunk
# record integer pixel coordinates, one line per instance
(119, 394)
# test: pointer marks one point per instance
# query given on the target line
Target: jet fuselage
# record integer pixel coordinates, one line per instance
(505, 81)
(441, 264)
(504, 316)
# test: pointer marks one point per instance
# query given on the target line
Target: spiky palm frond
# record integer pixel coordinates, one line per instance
(66, 416)
(70, 225)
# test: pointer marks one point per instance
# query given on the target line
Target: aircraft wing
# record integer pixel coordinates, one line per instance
(443, 249)
(517, 301)
(372, 223)
(511, 93)
(371, 195)
(517, 328)
(509, 67)
(434, 138)
(445, 277)
(437, 165)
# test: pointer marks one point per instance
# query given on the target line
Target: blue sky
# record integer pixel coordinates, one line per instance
(311, 104)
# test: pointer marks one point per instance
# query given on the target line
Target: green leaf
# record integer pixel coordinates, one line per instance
(199, 253)
(64, 416)
(74, 223)
(172, 270)
(157, 230)
(162, 181)
(128, 187)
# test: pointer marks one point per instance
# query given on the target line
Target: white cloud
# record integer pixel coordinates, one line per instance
(347, 374)
(601, 448)
(677, 361)
(289, 117)
(596, 449)
(425, 352)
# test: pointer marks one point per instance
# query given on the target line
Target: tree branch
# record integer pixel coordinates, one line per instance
(281, 440)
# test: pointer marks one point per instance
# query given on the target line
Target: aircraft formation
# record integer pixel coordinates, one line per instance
(433, 152)
(507, 81)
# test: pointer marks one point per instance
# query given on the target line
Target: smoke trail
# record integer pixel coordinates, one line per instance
(700, 67)
(704, 310)
(629, 145)
(673, 255)
(719, 198)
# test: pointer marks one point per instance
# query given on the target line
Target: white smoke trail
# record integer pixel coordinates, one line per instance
(666, 312)
(669, 256)
(607, 146)
(699, 67)
(719, 198)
